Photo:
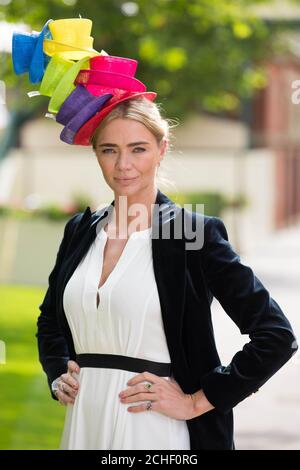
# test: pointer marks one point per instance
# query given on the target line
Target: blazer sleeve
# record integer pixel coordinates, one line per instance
(249, 304)
(52, 346)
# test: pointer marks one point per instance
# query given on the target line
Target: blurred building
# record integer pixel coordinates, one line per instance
(275, 125)
(209, 154)
(257, 157)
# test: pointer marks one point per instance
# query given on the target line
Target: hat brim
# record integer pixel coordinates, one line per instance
(67, 51)
(79, 99)
(84, 134)
(99, 78)
(87, 112)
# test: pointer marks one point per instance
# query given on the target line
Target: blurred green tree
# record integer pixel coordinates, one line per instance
(196, 54)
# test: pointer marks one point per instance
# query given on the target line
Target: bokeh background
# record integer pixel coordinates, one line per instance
(226, 76)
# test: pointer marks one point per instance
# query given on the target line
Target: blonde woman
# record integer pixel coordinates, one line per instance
(125, 334)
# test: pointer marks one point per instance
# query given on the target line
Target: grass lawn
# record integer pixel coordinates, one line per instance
(29, 417)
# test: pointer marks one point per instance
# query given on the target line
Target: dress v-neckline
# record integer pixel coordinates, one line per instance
(102, 232)
(102, 258)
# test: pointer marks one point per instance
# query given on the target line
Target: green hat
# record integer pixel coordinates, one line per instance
(65, 84)
(55, 71)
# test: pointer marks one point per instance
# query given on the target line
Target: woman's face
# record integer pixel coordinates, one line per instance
(128, 155)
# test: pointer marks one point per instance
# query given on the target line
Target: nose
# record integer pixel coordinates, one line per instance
(123, 161)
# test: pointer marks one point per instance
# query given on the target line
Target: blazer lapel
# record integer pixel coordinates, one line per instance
(169, 265)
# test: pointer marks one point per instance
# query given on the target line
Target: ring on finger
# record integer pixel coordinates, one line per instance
(149, 406)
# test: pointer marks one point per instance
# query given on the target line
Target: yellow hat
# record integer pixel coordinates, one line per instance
(71, 39)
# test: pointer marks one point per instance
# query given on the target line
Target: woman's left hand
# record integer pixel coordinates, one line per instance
(166, 395)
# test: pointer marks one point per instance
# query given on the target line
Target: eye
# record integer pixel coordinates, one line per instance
(140, 149)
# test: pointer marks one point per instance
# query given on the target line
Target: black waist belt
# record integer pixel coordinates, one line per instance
(115, 361)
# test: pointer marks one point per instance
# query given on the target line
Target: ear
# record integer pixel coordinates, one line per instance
(163, 147)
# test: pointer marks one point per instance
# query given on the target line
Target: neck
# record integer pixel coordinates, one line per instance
(142, 213)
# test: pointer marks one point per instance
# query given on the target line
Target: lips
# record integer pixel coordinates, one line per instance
(126, 179)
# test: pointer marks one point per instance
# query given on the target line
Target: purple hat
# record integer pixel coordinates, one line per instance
(79, 107)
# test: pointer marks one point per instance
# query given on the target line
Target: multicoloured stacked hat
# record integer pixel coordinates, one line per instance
(83, 85)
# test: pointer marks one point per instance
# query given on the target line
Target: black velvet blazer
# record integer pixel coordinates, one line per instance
(187, 280)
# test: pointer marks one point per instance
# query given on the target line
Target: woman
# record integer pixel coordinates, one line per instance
(125, 333)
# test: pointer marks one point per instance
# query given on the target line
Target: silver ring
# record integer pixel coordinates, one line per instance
(149, 405)
(62, 386)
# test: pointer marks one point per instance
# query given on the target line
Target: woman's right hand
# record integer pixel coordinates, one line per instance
(68, 386)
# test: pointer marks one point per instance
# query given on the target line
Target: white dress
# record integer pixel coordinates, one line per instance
(128, 321)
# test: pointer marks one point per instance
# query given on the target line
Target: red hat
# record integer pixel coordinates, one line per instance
(84, 134)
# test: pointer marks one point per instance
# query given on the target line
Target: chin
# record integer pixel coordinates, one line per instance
(131, 186)
(126, 190)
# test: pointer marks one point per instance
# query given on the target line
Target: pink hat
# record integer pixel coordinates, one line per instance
(110, 72)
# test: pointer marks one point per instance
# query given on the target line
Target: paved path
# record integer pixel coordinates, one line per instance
(270, 418)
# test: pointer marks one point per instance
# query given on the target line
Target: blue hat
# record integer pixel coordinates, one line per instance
(28, 54)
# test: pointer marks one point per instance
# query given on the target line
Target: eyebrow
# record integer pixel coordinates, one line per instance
(132, 144)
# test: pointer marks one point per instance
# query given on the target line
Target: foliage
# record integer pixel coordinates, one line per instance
(213, 202)
(29, 418)
(52, 210)
(80, 202)
(197, 54)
